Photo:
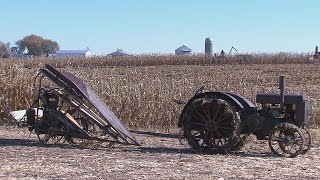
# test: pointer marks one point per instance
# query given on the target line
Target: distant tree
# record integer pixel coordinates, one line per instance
(4, 50)
(49, 47)
(37, 45)
(33, 43)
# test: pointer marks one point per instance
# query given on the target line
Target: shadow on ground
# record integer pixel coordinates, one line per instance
(33, 143)
(124, 148)
(17, 142)
(168, 150)
(165, 135)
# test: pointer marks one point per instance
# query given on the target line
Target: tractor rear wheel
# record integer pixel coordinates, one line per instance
(211, 125)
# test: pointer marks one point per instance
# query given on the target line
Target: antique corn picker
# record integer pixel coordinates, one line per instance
(217, 122)
(69, 111)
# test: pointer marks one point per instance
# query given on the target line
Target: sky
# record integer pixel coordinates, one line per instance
(161, 26)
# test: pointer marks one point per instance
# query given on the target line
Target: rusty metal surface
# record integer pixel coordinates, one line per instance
(275, 98)
(246, 103)
(71, 123)
(70, 80)
(211, 94)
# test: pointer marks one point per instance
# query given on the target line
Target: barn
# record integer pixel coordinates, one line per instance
(73, 53)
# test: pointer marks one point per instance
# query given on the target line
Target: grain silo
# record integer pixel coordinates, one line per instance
(208, 46)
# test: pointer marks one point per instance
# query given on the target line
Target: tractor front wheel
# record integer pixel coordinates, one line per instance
(286, 139)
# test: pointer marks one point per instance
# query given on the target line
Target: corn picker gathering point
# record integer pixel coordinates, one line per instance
(71, 112)
(217, 122)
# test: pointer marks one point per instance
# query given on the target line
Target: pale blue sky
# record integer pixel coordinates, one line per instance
(160, 26)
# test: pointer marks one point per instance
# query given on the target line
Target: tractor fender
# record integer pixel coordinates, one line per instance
(238, 102)
(248, 106)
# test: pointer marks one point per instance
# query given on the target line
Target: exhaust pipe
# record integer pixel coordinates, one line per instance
(281, 87)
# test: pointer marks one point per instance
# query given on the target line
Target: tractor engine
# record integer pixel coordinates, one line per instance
(261, 122)
(277, 108)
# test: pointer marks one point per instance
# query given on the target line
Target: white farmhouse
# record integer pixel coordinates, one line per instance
(20, 52)
(73, 53)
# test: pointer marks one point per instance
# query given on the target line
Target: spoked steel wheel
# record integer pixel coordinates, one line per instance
(49, 131)
(286, 139)
(210, 125)
(307, 140)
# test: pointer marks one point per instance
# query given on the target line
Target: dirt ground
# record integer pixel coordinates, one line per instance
(161, 156)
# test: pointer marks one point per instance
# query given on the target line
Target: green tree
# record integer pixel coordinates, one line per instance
(4, 50)
(37, 45)
(49, 47)
(33, 43)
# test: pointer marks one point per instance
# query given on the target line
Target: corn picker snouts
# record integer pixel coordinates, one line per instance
(217, 122)
(66, 110)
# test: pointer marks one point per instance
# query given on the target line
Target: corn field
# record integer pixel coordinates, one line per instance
(140, 89)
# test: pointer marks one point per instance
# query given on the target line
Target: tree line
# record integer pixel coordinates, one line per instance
(37, 46)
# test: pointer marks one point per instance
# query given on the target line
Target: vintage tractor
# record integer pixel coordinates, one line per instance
(217, 122)
(66, 110)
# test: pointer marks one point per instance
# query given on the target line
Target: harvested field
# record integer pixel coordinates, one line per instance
(141, 96)
(140, 92)
(161, 156)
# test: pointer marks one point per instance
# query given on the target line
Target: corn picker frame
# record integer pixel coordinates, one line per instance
(70, 111)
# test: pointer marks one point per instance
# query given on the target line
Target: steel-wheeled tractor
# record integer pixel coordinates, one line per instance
(67, 110)
(218, 122)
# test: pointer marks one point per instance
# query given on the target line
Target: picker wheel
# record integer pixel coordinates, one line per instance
(286, 139)
(210, 125)
(307, 140)
(49, 132)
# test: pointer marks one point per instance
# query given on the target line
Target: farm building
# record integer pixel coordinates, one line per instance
(20, 52)
(118, 52)
(73, 53)
(183, 50)
(316, 54)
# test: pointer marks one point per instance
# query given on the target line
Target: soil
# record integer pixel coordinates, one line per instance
(161, 156)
